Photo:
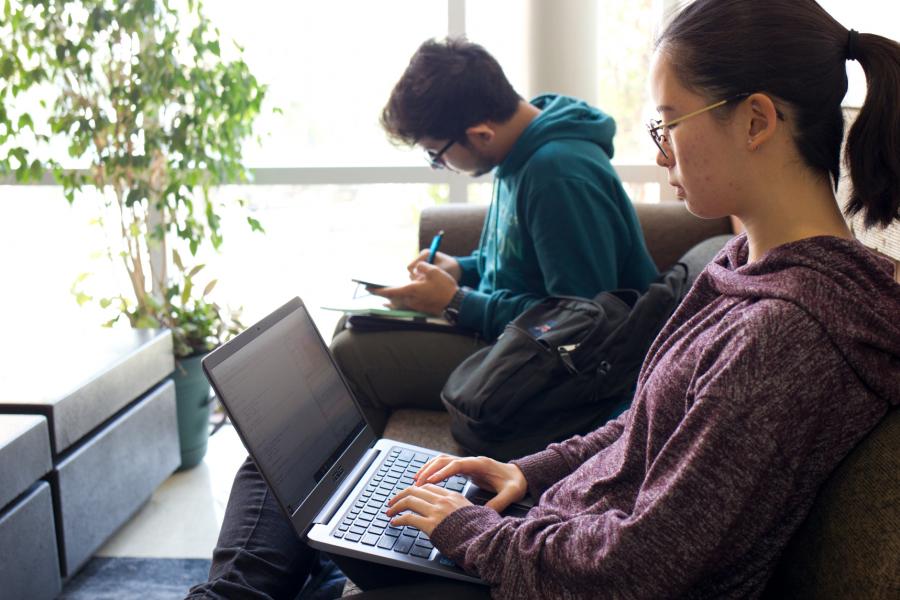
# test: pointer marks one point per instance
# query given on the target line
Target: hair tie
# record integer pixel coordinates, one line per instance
(852, 44)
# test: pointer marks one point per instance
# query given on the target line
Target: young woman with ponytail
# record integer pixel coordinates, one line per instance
(783, 356)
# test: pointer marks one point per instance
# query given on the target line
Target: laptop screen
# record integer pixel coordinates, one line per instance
(295, 413)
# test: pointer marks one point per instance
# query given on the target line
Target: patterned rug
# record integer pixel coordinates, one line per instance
(133, 578)
(125, 578)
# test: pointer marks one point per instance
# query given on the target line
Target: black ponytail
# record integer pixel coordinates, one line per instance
(873, 145)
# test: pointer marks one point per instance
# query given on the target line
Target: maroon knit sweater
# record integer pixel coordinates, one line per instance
(765, 377)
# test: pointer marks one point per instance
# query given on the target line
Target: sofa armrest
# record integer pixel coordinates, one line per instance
(849, 543)
(669, 229)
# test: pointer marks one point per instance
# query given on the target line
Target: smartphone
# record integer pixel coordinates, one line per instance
(370, 284)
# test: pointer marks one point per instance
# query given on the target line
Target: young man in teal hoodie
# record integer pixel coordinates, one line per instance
(560, 222)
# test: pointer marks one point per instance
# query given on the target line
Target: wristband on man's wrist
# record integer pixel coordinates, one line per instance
(451, 311)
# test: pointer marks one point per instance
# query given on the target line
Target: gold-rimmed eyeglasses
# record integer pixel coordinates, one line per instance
(655, 126)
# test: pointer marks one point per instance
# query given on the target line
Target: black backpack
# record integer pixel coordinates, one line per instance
(563, 367)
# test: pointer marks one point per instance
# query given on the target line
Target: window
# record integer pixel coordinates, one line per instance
(336, 198)
(865, 16)
(330, 67)
(317, 238)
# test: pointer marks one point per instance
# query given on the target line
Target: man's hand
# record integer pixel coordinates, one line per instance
(429, 292)
(427, 505)
(441, 261)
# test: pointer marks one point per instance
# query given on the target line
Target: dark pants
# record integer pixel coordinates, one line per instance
(259, 556)
(388, 370)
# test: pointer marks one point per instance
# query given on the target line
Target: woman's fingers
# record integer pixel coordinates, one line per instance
(412, 502)
(458, 466)
(430, 467)
(430, 503)
(421, 500)
(428, 492)
(413, 520)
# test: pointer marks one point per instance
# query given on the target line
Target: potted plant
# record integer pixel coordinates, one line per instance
(141, 94)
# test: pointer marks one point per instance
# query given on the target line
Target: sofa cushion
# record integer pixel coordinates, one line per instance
(426, 428)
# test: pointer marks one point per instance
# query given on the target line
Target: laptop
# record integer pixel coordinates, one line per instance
(332, 477)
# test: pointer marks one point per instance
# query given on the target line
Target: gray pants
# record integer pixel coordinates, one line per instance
(388, 370)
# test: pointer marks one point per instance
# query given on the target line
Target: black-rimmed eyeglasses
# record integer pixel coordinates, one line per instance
(436, 159)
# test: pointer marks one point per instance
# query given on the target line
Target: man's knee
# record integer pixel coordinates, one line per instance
(344, 353)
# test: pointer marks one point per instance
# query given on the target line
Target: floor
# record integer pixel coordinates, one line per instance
(182, 518)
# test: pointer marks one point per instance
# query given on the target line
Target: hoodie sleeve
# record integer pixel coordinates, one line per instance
(546, 467)
(469, 267)
(578, 234)
(765, 427)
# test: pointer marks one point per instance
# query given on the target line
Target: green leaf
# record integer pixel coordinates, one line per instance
(255, 225)
(209, 287)
(186, 294)
(134, 196)
(176, 258)
(81, 298)
(25, 121)
(195, 270)
(146, 322)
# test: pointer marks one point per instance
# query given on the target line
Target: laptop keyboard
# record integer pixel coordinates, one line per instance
(366, 522)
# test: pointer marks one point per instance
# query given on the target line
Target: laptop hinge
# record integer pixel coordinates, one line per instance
(340, 494)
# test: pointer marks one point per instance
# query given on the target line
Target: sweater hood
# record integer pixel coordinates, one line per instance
(561, 117)
(841, 284)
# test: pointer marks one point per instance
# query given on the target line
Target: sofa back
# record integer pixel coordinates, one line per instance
(669, 229)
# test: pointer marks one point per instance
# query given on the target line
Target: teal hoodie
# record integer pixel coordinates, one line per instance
(560, 222)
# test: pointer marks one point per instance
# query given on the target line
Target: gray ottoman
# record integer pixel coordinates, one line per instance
(29, 563)
(110, 408)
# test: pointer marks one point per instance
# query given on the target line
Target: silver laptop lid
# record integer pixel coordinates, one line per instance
(291, 407)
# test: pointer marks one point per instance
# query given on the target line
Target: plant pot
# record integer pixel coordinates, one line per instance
(193, 400)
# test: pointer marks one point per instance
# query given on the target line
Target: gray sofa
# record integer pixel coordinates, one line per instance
(849, 546)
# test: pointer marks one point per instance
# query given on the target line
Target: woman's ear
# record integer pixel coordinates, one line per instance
(763, 121)
(481, 135)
